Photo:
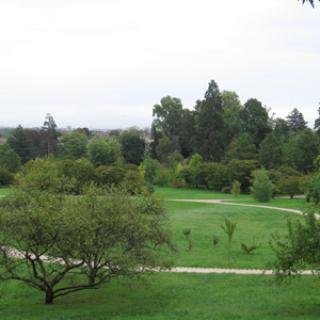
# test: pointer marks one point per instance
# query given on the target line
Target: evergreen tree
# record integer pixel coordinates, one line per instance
(21, 144)
(209, 124)
(255, 120)
(271, 151)
(296, 121)
(50, 135)
(317, 123)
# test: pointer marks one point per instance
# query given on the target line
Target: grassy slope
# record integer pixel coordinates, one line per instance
(254, 225)
(169, 296)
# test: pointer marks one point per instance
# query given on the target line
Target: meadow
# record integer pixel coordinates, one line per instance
(191, 296)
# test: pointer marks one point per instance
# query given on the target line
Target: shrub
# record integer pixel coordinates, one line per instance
(236, 188)
(248, 249)
(262, 187)
(229, 229)
(217, 176)
(187, 235)
(215, 240)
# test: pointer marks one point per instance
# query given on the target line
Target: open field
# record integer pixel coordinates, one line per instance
(168, 296)
(254, 225)
(282, 202)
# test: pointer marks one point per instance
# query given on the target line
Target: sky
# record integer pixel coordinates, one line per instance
(105, 63)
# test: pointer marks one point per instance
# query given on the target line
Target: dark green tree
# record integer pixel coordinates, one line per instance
(317, 123)
(73, 145)
(50, 135)
(271, 151)
(209, 124)
(132, 147)
(9, 159)
(242, 148)
(255, 120)
(21, 144)
(296, 121)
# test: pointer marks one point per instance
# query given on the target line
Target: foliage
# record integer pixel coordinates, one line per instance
(99, 236)
(290, 185)
(209, 125)
(6, 178)
(104, 151)
(133, 181)
(229, 229)
(242, 148)
(149, 168)
(299, 249)
(313, 189)
(50, 134)
(132, 147)
(9, 159)
(21, 144)
(215, 240)
(296, 121)
(216, 176)
(271, 154)
(262, 187)
(236, 188)
(248, 249)
(73, 145)
(110, 175)
(187, 235)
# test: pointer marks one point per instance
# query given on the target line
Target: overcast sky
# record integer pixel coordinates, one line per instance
(104, 64)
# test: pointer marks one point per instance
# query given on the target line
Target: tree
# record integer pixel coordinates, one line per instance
(133, 147)
(296, 121)
(20, 143)
(242, 148)
(149, 168)
(83, 242)
(73, 145)
(271, 151)
(299, 249)
(49, 131)
(104, 151)
(301, 150)
(6, 177)
(209, 124)
(262, 187)
(9, 159)
(255, 120)
(317, 123)
(290, 185)
(231, 113)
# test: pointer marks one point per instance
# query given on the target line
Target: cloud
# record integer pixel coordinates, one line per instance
(108, 62)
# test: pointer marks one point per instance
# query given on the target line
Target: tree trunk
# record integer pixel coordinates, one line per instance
(49, 296)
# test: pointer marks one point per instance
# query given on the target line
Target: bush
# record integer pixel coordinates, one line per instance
(290, 185)
(163, 177)
(248, 249)
(217, 176)
(110, 175)
(6, 178)
(236, 188)
(262, 187)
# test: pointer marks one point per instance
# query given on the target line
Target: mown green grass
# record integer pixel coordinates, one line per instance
(254, 226)
(174, 193)
(173, 296)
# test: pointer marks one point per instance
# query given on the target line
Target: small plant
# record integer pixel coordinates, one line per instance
(236, 188)
(215, 240)
(187, 235)
(248, 249)
(229, 228)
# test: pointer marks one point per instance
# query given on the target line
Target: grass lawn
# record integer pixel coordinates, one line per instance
(173, 296)
(254, 225)
(174, 193)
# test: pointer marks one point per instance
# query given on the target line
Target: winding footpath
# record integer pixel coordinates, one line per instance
(233, 271)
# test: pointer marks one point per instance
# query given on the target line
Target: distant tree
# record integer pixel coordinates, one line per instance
(133, 147)
(302, 149)
(290, 185)
(242, 171)
(209, 123)
(104, 151)
(242, 148)
(9, 159)
(262, 187)
(49, 130)
(73, 145)
(187, 133)
(231, 113)
(21, 144)
(216, 176)
(271, 151)
(317, 123)
(6, 177)
(281, 129)
(255, 120)
(296, 121)
(149, 168)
